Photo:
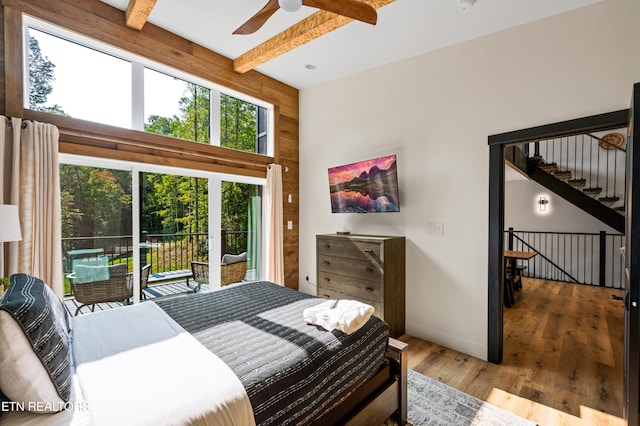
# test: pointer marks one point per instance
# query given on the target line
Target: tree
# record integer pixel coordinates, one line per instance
(237, 124)
(40, 79)
(93, 201)
(193, 122)
(238, 131)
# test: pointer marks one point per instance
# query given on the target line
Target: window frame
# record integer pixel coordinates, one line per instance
(215, 209)
(138, 64)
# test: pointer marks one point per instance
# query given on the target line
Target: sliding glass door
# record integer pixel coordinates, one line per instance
(96, 206)
(241, 226)
(174, 223)
(158, 220)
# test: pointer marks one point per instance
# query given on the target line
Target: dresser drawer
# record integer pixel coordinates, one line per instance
(368, 268)
(361, 269)
(350, 249)
(333, 294)
(356, 287)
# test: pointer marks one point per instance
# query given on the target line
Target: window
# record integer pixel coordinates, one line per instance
(182, 216)
(65, 77)
(74, 76)
(96, 219)
(240, 125)
(177, 108)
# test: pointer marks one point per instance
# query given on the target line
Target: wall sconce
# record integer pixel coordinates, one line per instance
(542, 202)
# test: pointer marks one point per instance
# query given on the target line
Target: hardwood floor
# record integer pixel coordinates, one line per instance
(563, 357)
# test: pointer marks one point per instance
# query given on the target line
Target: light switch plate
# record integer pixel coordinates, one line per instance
(435, 228)
(290, 224)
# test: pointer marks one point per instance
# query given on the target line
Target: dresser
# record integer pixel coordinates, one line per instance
(367, 268)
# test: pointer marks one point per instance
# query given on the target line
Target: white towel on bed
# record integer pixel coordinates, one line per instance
(347, 316)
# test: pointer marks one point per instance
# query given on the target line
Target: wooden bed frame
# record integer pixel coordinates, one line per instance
(381, 397)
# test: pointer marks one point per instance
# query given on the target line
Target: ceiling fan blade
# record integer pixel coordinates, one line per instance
(256, 21)
(349, 8)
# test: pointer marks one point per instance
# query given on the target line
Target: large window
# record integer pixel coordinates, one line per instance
(80, 78)
(68, 79)
(117, 213)
(176, 108)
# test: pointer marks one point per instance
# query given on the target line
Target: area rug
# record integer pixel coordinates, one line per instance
(432, 403)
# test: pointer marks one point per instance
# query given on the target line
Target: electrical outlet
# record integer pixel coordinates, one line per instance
(435, 228)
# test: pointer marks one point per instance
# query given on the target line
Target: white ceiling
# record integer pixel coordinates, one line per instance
(405, 28)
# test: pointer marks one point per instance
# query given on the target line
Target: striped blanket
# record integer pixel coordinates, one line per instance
(292, 371)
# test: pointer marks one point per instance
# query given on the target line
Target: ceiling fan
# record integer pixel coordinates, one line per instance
(350, 8)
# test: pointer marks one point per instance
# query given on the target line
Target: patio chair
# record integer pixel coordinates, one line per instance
(200, 273)
(233, 268)
(116, 285)
(144, 280)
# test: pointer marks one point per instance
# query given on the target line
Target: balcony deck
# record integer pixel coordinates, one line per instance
(152, 291)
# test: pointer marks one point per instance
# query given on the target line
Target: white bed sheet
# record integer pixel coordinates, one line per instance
(136, 366)
(76, 414)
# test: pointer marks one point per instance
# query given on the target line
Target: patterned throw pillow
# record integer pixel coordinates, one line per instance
(35, 346)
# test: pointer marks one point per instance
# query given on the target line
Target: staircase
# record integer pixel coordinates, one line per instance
(584, 169)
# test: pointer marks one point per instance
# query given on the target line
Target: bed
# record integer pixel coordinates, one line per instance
(157, 363)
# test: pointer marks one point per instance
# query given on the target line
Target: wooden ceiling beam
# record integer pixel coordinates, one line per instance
(138, 12)
(316, 25)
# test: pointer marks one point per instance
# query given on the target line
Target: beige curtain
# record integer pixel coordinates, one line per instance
(30, 180)
(274, 218)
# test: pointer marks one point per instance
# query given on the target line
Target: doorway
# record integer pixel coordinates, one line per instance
(497, 144)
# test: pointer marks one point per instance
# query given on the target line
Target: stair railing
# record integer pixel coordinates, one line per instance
(590, 163)
(562, 273)
(584, 258)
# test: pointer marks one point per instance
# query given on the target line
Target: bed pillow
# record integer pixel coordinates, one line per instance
(35, 363)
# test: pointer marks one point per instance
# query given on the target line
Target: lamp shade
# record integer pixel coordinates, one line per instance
(9, 223)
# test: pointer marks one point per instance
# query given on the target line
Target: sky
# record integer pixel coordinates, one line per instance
(83, 75)
(347, 172)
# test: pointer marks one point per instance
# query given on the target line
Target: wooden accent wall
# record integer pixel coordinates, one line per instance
(106, 24)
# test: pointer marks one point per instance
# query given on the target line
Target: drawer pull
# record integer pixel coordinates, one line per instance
(327, 246)
(327, 296)
(368, 269)
(369, 288)
(326, 262)
(327, 279)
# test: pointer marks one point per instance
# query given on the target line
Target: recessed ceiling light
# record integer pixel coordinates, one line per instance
(310, 67)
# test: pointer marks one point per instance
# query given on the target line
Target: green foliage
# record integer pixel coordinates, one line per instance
(235, 205)
(40, 78)
(238, 130)
(178, 204)
(237, 124)
(174, 204)
(193, 124)
(94, 201)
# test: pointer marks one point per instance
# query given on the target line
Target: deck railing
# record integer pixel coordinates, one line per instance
(584, 258)
(165, 252)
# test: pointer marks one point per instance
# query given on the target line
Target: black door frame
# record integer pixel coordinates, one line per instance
(632, 262)
(497, 143)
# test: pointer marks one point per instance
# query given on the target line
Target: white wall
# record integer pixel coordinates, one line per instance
(521, 211)
(435, 112)
(578, 255)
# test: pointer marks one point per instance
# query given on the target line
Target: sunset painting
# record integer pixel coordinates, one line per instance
(365, 187)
